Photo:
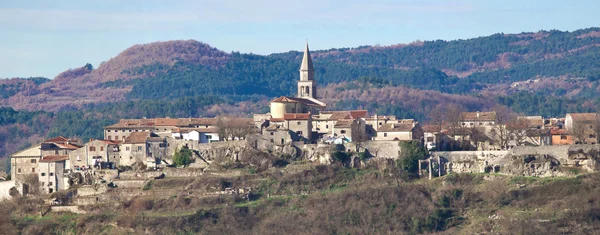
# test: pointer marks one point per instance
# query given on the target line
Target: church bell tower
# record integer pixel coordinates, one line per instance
(307, 86)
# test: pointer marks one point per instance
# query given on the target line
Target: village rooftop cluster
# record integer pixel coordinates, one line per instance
(152, 142)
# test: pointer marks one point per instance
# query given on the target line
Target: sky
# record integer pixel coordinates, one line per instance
(44, 38)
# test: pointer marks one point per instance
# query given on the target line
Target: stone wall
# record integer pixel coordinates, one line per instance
(130, 183)
(543, 161)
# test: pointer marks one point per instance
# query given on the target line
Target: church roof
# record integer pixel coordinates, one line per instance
(306, 60)
(307, 101)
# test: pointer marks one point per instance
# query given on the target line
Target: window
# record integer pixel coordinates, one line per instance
(384, 134)
(50, 190)
(343, 131)
(92, 149)
(101, 148)
(206, 126)
(126, 148)
(208, 137)
(56, 152)
(326, 126)
(299, 123)
(43, 174)
(107, 130)
(19, 170)
(109, 137)
(563, 137)
(282, 141)
(123, 137)
(161, 145)
(139, 148)
(380, 123)
(33, 170)
(271, 140)
(43, 183)
(592, 136)
(51, 174)
(49, 183)
(116, 137)
(129, 130)
(32, 160)
(299, 132)
(271, 133)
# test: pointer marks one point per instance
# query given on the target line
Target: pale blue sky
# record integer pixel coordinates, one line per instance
(44, 38)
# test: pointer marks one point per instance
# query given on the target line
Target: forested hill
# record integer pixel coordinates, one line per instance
(176, 69)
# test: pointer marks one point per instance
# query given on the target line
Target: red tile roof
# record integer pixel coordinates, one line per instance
(296, 116)
(349, 114)
(137, 137)
(166, 122)
(395, 127)
(54, 158)
(431, 128)
(582, 116)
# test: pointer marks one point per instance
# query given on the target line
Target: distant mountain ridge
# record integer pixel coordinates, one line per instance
(189, 68)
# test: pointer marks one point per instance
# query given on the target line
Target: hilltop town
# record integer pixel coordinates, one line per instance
(298, 132)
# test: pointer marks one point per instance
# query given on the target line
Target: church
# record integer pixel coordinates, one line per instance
(303, 118)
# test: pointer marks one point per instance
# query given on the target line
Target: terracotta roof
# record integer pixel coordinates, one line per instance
(137, 137)
(59, 139)
(344, 123)
(478, 116)
(67, 146)
(431, 128)
(582, 116)
(296, 116)
(109, 141)
(395, 127)
(54, 158)
(554, 131)
(132, 123)
(166, 122)
(306, 101)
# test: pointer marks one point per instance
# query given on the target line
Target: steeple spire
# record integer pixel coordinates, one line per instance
(307, 86)
(306, 60)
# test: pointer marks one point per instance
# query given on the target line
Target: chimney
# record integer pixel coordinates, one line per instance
(477, 113)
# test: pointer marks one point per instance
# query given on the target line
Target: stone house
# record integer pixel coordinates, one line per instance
(279, 135)
(324, 123)
(298, 123)
(142, 147)
(160, 126)
(24, 165)
(400, 131)
(561, 137)
(349, 130)
(95, 154)
(372, 124)
(52, 173)
(581, 127)
(431, 136)
(477, 119)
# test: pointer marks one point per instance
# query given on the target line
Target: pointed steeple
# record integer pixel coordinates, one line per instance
(306, 60)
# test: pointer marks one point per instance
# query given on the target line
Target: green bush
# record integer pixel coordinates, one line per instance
(183, 157)
(341, 157)
(411, 152)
